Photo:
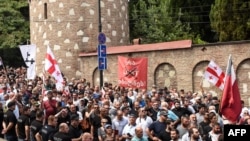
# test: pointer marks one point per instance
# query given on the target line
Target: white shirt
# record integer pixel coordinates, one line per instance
(129, 129)
(144, 124)
(213, 136)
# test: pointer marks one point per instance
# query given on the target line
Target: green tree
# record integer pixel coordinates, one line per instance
(196, 14)
(14, 23)
(230, 19)
(151, 20)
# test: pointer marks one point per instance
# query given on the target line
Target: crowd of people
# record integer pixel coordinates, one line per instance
(33, 110)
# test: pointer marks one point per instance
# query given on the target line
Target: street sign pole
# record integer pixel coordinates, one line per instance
(100, 30)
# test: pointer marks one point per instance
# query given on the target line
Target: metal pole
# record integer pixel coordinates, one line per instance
(100, 30)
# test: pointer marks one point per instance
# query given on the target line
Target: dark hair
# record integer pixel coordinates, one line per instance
(191, 131)
(201, 106)
(175, 130)
(39, 113)
(211, 115)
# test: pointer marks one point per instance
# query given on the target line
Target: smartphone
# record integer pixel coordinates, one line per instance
(116, 132)
(129, 134)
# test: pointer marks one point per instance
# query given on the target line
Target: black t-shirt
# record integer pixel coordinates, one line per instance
(32, 115)
(47, 131)
(59, 136)
(35, 127)
(154, 114)
(74, 132)
(1, 118)
(181, 111)
(9, 117)
(63, 120)
(95, 120)
(22, 121)
(164, 136)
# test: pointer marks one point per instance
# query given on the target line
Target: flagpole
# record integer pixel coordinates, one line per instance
(219, 112)
(5, 70)
(201, 86)
(100, 30)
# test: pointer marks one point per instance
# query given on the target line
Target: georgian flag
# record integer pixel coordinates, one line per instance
(52, 68)
(215, 75)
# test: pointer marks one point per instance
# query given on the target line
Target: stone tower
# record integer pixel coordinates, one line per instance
(71, 26)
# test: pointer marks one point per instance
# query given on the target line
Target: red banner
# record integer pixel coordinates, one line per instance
(132, 72)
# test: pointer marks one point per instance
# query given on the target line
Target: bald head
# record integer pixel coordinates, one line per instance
(87, 137)
(139, 132)
(63, 127)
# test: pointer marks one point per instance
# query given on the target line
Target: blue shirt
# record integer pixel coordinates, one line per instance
(139, 139)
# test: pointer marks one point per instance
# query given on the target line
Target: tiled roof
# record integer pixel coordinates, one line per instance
(144, 47)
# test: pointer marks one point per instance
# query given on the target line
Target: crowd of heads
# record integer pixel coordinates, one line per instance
(107, 113)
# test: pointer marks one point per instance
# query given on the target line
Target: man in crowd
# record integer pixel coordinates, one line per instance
(36, 125)
(49, 105)
(48, 130)
(23, 125)
(157, 126)
(9, 122)
(74, 130)
(62, 134)
(139, 135)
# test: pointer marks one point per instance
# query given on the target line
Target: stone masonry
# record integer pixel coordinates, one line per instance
(71, 27)
(181, 68)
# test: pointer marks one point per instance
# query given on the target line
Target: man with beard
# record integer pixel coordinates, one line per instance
(214, 134)
(183, 126)
(49, 105)
(23, 125)
(204, 124)
(194, 134)
(174, 134)
(180, 111)
(165, 134)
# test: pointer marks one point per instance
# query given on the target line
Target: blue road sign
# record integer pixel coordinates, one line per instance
(102, 51)
(101, 38)
(102, 63)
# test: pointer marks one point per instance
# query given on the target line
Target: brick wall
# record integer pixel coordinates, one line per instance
(181, 68)
(72, 27)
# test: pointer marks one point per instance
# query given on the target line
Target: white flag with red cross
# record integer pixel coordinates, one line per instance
(52, 68)
(215, 75)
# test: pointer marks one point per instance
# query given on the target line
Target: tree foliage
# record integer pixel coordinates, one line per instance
(230, 19)
(196, 14)
(151, 20)
(14, 23)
